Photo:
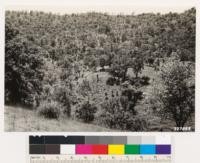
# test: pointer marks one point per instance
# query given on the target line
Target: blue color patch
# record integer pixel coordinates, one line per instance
(147, 149)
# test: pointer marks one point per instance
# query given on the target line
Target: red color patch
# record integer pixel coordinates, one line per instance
(100, 149)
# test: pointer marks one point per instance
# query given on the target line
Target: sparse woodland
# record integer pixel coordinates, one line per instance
(123, 72)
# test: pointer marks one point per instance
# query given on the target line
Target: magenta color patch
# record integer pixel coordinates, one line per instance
(83, 149)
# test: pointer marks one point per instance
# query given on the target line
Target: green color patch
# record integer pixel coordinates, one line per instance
(132, 149)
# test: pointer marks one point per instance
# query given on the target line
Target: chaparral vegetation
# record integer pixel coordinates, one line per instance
(99, 72)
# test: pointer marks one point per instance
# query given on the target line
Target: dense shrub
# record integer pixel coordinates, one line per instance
(62, 95)
(26, 47)
(177, 92)
(110, 113)
(150, 61)
(49, 109)
(115, 115)
(139, 82)
(73, 54)
(120, 113)
(139, 124)
(138, 65)
(112, 81)
(59, 94)
(85, 88)
(132, 95)
(57, 86)
(145, 80)
(86, 112)
(23, 71)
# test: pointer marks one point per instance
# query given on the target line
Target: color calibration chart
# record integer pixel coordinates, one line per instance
(100, 149)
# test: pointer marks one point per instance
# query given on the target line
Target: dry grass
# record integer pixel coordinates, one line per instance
(23, 120)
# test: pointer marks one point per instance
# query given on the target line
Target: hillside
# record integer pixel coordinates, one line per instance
(25, 120)
(80, 71)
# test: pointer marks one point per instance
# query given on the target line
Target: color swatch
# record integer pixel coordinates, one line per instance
(116, 149)
(132, 149)
(102, 145)
(148, 149)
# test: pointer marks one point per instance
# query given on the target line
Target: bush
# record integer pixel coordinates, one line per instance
(140, 81)
(139, 124)
(49, 109)
(59, 93)
(110, 113)
(119, 113)
(177, 93)
(62, 95)
(86, 112)
(145, 80)
(132, 95)
(85, 88)
(24, 74)
(112, 81)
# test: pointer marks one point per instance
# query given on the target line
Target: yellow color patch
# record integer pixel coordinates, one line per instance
(116, 149)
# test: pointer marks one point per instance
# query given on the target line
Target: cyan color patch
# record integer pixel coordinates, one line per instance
(147, 149)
